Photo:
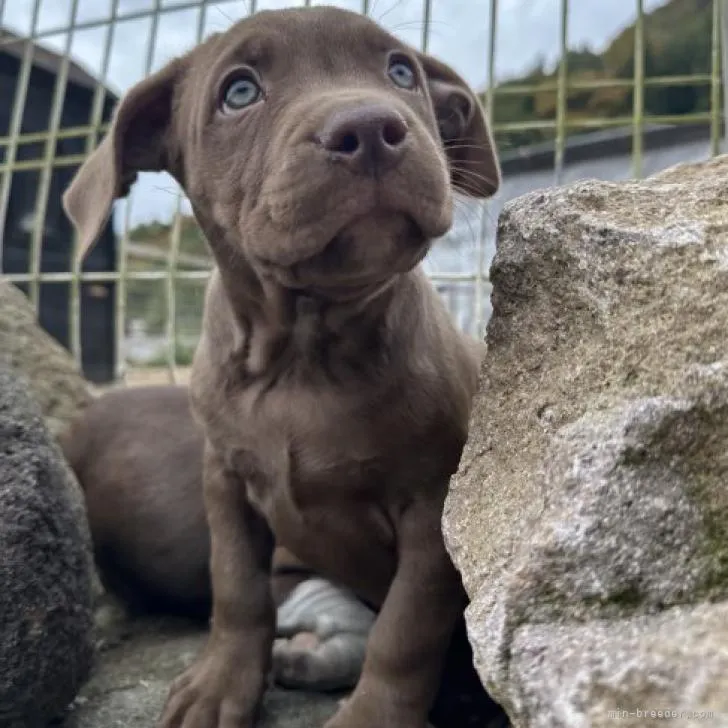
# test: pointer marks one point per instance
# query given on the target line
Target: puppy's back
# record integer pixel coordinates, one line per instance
(137, 454)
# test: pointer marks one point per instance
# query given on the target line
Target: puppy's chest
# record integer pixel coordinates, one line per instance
(308, 447)
(331, 468)
(324, 479)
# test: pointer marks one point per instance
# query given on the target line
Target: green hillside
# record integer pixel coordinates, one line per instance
(677, 43)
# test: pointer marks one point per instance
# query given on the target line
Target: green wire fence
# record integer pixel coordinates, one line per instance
(176, 267)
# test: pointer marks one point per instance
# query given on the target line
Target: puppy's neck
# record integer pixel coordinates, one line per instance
(304, 330)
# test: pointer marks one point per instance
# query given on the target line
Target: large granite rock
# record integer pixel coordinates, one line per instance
(45, 575)
(56, 383)
(589, 515)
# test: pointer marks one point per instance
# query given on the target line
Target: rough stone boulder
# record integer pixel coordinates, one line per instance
(589, 515)
(46, 646)
(57, 386)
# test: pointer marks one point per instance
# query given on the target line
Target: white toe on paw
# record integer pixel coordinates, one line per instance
(330, 665)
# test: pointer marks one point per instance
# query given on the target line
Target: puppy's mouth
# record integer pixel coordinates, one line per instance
(373, 244)
(347, 219)
(363, 255)
(399, 233)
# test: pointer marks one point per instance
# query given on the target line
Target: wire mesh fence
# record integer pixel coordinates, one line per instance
(632, 71)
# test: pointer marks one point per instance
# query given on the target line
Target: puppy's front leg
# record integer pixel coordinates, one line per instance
(223, 688)
(410, 637)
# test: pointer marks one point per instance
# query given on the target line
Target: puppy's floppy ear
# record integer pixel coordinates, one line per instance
(138, 140)
(474, 167)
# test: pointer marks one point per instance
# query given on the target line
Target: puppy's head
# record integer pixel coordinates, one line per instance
(311, 142)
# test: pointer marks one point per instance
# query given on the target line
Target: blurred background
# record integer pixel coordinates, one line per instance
(608, 89)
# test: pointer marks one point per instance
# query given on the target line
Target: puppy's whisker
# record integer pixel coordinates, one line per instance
(451, 146)
(419, 24)
(223, 13)
(472, 175)
(470, 218)
(387, 12)
(465, 148)
(168, 190)
(372, 8)
(467, 188)
(475, 183)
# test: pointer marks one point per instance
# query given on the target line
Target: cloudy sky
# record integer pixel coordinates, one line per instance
(526, 31)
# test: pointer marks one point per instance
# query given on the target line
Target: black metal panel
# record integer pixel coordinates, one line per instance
(98, 301)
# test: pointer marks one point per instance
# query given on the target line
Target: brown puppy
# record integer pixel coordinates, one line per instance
(319, 154)
(137, 453)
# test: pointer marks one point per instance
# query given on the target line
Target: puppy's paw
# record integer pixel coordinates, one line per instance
(307, 662)
(316, 605)
(322, 635)
(361, 712)
(214, 693)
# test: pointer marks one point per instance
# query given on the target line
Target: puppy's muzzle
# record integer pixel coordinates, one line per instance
(369, 139)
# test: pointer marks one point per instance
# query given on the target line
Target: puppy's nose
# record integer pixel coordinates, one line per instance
(369, 139)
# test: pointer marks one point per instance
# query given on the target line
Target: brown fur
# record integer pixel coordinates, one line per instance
(332, 386)
(137, 454)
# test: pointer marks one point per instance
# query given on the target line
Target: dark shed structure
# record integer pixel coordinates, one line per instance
(98, 305)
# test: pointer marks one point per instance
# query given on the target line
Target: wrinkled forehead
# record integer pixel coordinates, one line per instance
(310, 41)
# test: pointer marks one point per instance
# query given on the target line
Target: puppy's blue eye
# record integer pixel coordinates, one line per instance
(240, 93)
(402, 74)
